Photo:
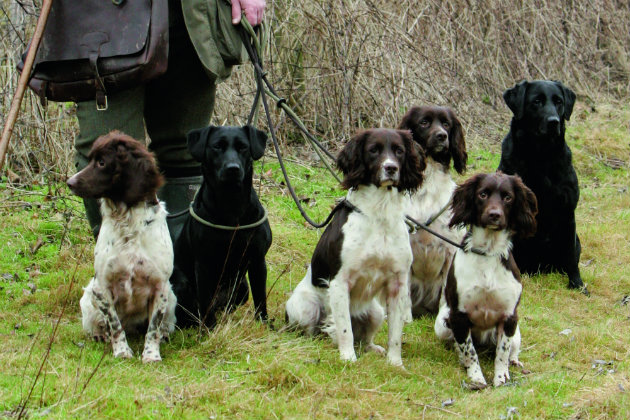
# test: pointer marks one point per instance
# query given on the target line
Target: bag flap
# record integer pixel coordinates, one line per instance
(78, 29)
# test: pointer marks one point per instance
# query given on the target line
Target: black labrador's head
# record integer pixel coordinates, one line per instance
(226, 153)
(541, 106)
(440, 134)
(382, 157)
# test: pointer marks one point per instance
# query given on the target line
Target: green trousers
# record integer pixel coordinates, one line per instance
(167, 108)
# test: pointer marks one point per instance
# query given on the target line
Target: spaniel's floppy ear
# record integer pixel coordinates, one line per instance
(410, 121)
(257, 141)
(145, 179)
(137, 173)
(198, 141)
(464, 205)
(515, 98)
(569, 99)
(350, 161)
(118, 143)
(413, 165)
(457, 144)
(524, 209)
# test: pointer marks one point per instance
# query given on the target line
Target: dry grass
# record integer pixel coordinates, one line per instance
(345, 64)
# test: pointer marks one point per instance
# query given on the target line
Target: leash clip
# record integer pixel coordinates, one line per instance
(281, 101)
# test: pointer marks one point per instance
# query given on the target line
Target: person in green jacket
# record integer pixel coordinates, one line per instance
(204, 44)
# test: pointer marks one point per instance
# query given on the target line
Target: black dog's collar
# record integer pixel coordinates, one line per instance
(204, 222)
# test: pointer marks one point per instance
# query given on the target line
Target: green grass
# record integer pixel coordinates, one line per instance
(243, 369)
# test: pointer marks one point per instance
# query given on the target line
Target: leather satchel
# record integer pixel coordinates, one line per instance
(92, 48)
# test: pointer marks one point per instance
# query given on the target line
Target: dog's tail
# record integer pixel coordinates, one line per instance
(305, 308)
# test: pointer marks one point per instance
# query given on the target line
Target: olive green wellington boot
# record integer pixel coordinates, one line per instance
(178, 193)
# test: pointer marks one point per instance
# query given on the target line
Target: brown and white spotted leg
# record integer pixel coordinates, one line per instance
(169, 319)
(91, 317)
(460, 324)
(468, 358)
(102, 300)
(516, 348)
(501, 361)
(151, 352)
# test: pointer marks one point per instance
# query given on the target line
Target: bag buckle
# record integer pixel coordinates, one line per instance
(101, 101)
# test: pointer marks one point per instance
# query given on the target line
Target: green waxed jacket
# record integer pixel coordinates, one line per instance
(215, 38)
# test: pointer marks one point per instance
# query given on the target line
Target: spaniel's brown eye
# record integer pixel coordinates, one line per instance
(424, 123)
(100, 163)
(508, 198)
(445, 124)
(483, 195)
(399, 152)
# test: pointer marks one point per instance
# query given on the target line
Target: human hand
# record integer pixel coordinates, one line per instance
(253, 10)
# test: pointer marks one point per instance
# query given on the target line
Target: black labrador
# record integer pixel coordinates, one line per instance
(226, 234)
(536, 150)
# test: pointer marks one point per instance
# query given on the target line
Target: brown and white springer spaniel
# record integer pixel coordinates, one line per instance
(441, 136)
(363, 257)
(133, 256)
(483, 291)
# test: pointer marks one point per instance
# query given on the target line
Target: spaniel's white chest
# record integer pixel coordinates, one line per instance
(375, 247)
(433, 195)
(368, 240)
(487, 290)
(134, 253)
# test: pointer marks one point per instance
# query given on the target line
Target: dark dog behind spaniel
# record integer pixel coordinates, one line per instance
(227, 234)
(363, 257)
(483, 291)
(536, 150)
(441, 136)
(133, 256)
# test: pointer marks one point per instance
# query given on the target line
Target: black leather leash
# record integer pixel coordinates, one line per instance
(415, 224)
(261, 95)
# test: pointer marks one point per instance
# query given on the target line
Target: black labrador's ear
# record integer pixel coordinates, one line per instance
(525, 209)
(257, 141)
(411, 173)
(515, 98)
(569, 99)
(350, 161)
(198, 141)
(457, 144)
(464, 203)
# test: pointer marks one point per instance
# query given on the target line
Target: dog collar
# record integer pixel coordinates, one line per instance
(223, 227)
